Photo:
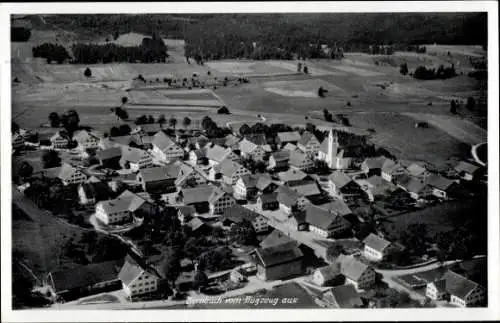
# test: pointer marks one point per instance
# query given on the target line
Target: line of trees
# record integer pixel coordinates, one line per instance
(19, 34)
(442, 73)
(51, 52)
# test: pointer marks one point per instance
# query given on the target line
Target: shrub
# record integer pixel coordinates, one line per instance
(223, 110)
(88, 72)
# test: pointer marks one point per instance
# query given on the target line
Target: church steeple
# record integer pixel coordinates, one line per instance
(333, 146)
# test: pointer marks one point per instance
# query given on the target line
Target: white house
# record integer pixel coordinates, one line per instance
(165, 148)
(135, 158)
(290, 201)
(308, 143)
(300, 160)
(459, 290)
(230, 171)
(59, 140)
(324, 222)
(326, 275)
(86, 139)
(138, 279)
(439, 185)
(466, 170)
(279, 159)
(249, 149)
(357, 273)
(71, 175)
(217, 154)
(376, 248)
(121, 209)
(219, 201)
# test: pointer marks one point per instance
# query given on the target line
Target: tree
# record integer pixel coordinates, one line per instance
(327, 115)
(121, 113)
(186, 122)
(321, 92)
(24, 170)
(223, 110)
(170, 266)
(299, 67)
(50, 158)
(403, 69)
(192, 248)
(161, 119)
(172, 122)
(54, 120)
(14, 127)
(453, 106)
(471, 103)
(124, 99)
(70, 120)
(141, 120)
(200, 280)
(415, 238)
(114, 132)
(88, 72)
(124, 129)
(306, 69)
(243, 233)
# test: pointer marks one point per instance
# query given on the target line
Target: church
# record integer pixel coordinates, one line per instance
(329, 152)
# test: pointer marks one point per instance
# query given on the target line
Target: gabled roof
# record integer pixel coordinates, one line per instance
(411, 184)
(415, 169)
(330, 272)
(154, 174)
(277, 238)
(375, 162)
(198, 194)
(375, 242)
(133, 268)
(351, 267)
(269, 197)
(288, 136)
(66, 171)
(263, 181)
(258, 139)
(290, 147)
(281, 155)
(292, 175)
(380, 186)
(237, 214)
(287, 196)
(297, 158)
(279, 254)
(305, 187)
(195, 224)
(390, 166)
(346, 296)
(306, 137)
(246, 146)
(217, 153)
(319, 217)
(186, 210)
(439, 182)
(113, 152)
(231, 140)
(162, 141)
(466, 167)
(227, 167)
(86, 275)
(250, 180)
(127, 201)
(148, 128)
(458, 285)
(84, 135)
(337, 206)
(340, 179)
(59, 134)
(133, 155)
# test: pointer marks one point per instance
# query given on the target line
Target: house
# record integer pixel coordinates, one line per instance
(59, 140)
(307, 188)
(206, 198)
(376, 248)
(300, 160)
(135, 159)
(85, 280)
(278, 262)
(165, 148)
(147, 129)
(357, 273)
(290, 147)
(466, 171)
(325, 223)
(198, 227)
(328, 275)
(283, 138)
(279, 159)
(251, 150)
(110, 157)
(417, 188)
(297, 221)
(344, 296)
(337, 206)
(137, 278)
(90, 193)
(291, 175)
(439, 185)
(269, 201)
(217, 154)
(391, 169)
(219, 201)
(231, 141)
(70, 175)
(458, 289)
(265, 184)
(340, 184)
(246, 187)
(373, 165)
(376, 186)
(417, 170)
(257, 138)
(230, 171)
(197, 157)
(17, 141)
(308, 143)
(290, 201)
(121, 209)
(119, 141)
(276, 238)
(237, 214)
(86, 140)
(185, 213)
(157, 180)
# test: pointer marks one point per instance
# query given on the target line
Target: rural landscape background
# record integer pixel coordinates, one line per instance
(263, 68)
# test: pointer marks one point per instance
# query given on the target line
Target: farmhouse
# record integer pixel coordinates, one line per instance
(86, 139)
(306, 188)
(340, 183)
(290, 147)
(439, 185)
(276, 238)
(157, 179)
(185, 213)
(283, 138)
(373, 166)
(165, 148)
(17, 141)
(121, 209)
(308, 143)
(466, 171)
(135, 159)
(197, 156)
(279, 159)
(268, 201)
(85, 280)
(231, 141)
(328, 276)
(217, 154)
(250, 150)
(278, 262)
(70, 175)
(459, 290)
(376, 248)
(291, 175)
(391, 169)
(417, 170)
(417, 188)
(297, 221)
(230, 171)
(110, 157)
(290, 201)
(360, 275)
(300, 160)
(60, 140)
(138, 278)
(219, 201)
(344, 296)
(246, 187)
(237, 214)
(325, 223)
(337, 206)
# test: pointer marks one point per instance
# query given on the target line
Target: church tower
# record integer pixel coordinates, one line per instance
(333, 147)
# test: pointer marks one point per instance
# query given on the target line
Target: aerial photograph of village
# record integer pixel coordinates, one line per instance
(249, 160)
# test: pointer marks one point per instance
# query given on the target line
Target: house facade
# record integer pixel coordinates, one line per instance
(59, 140)
(136, 279)
(278, 262)
(135, 158)
(86, 140)
(325, 223)
(308, 143)
(71, 175)
(376, 248)
(165, 148)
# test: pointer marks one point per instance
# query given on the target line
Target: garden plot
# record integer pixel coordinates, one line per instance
(357, 70)
(249, 68)
(292, 67)
(302, 88)
(203, 98)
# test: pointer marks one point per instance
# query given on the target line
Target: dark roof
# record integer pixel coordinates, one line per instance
(458, 285)
(132, 268)
(276, 238)
(466, 167)
(376, 242)
(351, 267)
(306, 137)
(330, 272)
(292, 175)
(85, 275)
(340, 179)
(279, 254)
(186, 210)
(88, 189)
(297, 157)
(319, 217)
(288, 136)
(198, 194)
(375, 162)
(281, 155)
(109, 153)
(237, 214)
(337, 206)
(250, 180)
(287, 196)
(439, 182)
(258, 138)
(411, 184)
(346, 296)
(269, 197)
(305, 187)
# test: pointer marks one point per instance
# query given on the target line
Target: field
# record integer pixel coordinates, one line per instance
(302, 88)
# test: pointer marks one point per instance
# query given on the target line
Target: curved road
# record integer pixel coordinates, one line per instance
(475, 156)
